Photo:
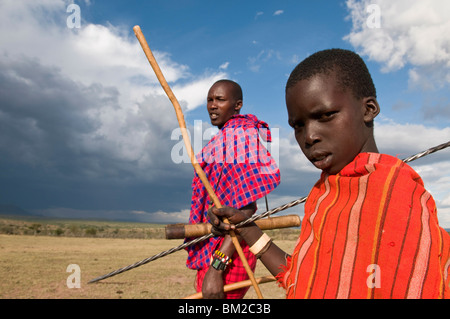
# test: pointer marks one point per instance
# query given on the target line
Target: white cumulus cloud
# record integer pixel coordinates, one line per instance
(410, 33)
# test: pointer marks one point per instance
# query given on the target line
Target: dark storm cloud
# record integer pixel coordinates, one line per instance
(56, 148)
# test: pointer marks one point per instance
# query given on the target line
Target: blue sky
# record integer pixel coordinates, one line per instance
(86, 130)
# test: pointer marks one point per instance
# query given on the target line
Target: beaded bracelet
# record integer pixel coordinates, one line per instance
(220, 261)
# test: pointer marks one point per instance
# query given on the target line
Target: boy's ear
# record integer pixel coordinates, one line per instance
(372, 109)
(238, 106)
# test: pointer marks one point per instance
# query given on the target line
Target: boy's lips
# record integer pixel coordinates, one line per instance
(213, 116)
(321, 160)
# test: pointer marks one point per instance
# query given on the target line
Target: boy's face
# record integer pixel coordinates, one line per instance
(331, 126)
(222, 104)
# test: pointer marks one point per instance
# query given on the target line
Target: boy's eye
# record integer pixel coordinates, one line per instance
(328, 115)
(296, 125)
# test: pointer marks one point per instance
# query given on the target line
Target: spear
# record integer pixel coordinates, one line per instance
(197, 240)
(245, 222)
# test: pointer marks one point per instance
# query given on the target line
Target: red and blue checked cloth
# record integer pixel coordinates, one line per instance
(241, 170)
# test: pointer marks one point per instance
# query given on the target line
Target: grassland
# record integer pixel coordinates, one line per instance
(39, 226)
(34, 258)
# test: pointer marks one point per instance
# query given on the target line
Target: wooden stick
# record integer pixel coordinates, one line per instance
(187, 142)
(236, 285)
(180, 231)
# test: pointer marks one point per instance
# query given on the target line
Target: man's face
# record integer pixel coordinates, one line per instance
(331, 125)
(222, 104)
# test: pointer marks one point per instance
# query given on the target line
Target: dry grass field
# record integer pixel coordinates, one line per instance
(35, 267)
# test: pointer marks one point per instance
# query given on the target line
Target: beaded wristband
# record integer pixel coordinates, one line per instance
(221, 255)
(220, 261)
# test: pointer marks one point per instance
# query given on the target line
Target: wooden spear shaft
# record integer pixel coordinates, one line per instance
(140, 36)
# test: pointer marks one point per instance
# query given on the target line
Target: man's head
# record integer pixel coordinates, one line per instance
(223, 101)
(331, 102)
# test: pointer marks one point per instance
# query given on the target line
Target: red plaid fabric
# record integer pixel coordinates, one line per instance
(240, 169)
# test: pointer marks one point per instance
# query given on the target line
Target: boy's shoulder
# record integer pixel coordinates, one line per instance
(379, 164)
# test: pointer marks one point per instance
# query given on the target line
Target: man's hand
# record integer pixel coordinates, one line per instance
(212, 287)
(233, 215)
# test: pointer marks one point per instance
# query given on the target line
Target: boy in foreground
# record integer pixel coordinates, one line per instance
(370, 228)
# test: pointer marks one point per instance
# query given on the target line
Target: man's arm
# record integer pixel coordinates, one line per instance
(213, 282)
(272, 258)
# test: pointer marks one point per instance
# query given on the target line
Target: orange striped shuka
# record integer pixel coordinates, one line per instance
(371, 231)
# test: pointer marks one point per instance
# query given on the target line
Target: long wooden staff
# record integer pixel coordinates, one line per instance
(187, 142)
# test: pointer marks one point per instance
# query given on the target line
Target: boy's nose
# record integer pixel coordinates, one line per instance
(311, 135)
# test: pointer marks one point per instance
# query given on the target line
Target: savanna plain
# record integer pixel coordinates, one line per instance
(35, 254)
